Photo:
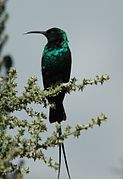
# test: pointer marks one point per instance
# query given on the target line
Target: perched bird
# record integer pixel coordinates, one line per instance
(56, 68)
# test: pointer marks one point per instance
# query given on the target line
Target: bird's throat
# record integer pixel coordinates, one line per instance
(53, 51)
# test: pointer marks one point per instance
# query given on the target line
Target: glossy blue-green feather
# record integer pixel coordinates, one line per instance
(56, 66)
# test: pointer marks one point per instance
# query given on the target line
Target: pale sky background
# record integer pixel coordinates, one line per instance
(95, 33)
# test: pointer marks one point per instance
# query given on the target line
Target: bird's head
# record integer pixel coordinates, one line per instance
(53, 35)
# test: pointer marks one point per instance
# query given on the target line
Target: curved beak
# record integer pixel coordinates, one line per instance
(35, 32)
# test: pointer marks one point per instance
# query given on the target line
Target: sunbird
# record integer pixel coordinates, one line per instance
(56, 68)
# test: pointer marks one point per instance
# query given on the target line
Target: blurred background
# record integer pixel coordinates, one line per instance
(95, 33)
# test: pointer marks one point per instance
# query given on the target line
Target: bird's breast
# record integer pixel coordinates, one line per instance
(54, 52)
(54, 57)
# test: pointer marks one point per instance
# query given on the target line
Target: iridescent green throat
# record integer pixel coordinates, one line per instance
(53, 52)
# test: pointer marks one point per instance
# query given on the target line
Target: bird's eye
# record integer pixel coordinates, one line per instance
(52, 32)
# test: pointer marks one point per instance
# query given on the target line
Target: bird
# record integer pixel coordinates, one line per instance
(56, 68)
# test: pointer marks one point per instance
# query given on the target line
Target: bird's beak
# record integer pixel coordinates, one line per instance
(35, 32)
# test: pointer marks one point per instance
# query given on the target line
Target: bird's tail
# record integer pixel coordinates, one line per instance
(62, 146)
(57, 113)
